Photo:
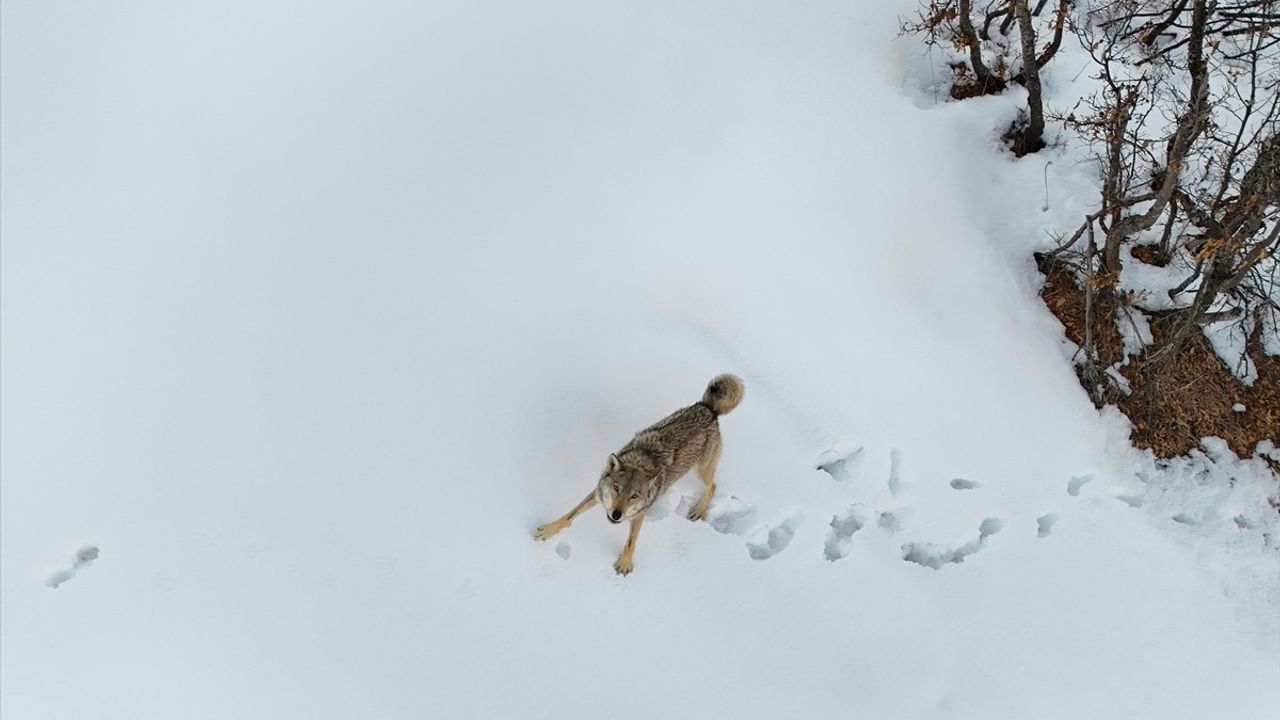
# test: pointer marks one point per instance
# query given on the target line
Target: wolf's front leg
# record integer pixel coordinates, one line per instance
(624, 564)
(546, 531)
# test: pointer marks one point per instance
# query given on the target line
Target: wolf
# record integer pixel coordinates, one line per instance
(638, 474)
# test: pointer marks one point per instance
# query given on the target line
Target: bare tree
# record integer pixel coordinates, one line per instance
(966, 35)
(988, 60)
(1033, 134)
(1188, 130)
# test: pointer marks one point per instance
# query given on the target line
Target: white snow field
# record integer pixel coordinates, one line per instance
(312, 311)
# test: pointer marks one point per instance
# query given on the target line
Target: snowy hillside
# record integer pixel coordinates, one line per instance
(312, 312)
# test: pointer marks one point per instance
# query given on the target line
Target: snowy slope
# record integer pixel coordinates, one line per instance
(311, 314)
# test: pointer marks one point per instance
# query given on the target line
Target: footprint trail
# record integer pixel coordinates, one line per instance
(843, 526)
(768, 542)
(936, 557)
(84, 558)
(842, 468)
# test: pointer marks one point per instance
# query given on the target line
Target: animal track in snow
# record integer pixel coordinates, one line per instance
(936, 556)
(896, 486)
(1077, 482)
(385, 565)
(768, 541)
(889, 522)
(1132, 500)
(842, 468)
(564, 549)
(843, 526)
(84, 558)
(164, 581)
(962, 484)
(732, 516)
(1045, 523)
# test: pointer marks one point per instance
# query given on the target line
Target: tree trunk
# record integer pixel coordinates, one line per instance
(988, 81)
(1190, 125)
(1032, 137)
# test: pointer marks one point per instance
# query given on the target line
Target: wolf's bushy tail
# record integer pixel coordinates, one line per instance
(723, 393)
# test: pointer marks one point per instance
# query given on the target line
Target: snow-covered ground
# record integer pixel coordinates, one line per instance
(311, 312)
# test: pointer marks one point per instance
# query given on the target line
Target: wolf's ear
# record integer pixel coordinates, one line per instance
(614, 463)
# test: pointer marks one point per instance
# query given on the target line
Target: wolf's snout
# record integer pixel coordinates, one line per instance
(615, 515)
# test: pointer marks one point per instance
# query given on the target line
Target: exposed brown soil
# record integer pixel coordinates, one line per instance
(1015, 139)
(965, 85)
(966, 88)
(1149, 254)
(1191, 398)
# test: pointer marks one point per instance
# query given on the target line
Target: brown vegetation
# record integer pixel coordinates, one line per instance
(1185, 130)
(1173, 409)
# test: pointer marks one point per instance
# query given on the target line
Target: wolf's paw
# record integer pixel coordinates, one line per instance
(697, 513)
(544, 532)
(622, 565)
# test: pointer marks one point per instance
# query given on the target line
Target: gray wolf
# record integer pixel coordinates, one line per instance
(638, 474)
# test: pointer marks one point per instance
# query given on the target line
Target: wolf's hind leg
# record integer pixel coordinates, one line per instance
(545, 531)
(706, 470)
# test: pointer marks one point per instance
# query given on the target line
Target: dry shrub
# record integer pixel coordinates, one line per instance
(1191, 398)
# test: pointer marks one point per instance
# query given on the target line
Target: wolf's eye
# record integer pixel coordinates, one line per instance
(635, 496)
(616, 488)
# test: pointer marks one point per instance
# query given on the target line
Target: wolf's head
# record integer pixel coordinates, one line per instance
(625, 490)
